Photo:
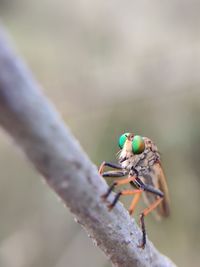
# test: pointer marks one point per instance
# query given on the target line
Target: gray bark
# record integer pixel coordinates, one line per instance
(37, 128)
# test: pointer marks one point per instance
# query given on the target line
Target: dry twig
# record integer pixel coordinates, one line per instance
(36, 127)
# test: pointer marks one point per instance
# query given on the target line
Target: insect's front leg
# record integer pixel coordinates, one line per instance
(108, 164)
(116, 173)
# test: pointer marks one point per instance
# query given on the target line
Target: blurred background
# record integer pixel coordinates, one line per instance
(109, 67)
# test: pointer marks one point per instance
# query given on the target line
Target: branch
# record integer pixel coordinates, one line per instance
(36, 127)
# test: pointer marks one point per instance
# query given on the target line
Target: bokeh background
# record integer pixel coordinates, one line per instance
(109, 67)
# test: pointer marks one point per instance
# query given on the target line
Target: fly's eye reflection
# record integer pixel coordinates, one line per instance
(138, 144)
(122, 140)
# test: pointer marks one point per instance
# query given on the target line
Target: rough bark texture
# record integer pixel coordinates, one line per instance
(36, 127)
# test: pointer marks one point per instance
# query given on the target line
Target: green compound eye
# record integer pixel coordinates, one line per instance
(138, 144)
(122, 140)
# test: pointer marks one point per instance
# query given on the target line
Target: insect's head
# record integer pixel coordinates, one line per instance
(132, 143)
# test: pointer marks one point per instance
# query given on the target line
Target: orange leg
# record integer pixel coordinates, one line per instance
(101, 168)
(145, 213)
(152, 207)
(135, 201)
(125, 181)
(117, 183)
(125, 193)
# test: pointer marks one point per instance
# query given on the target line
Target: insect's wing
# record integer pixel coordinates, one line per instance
(163, 208)
(156, 178)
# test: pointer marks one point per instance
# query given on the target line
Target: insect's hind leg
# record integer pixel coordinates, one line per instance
(148, 188)
(144, 213)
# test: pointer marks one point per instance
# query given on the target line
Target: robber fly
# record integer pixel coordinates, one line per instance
(139, 161)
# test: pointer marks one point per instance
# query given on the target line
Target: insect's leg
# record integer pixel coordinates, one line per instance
(111, 174)
(117, 183)
(109, 164)
(114, 173)
(134, 202)
(123, 193)
(142, 245)
(145, 213)
(149, 188)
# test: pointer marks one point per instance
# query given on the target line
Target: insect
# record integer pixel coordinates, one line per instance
(139, 162)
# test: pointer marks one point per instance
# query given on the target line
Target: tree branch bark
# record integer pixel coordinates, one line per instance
(36, 127)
